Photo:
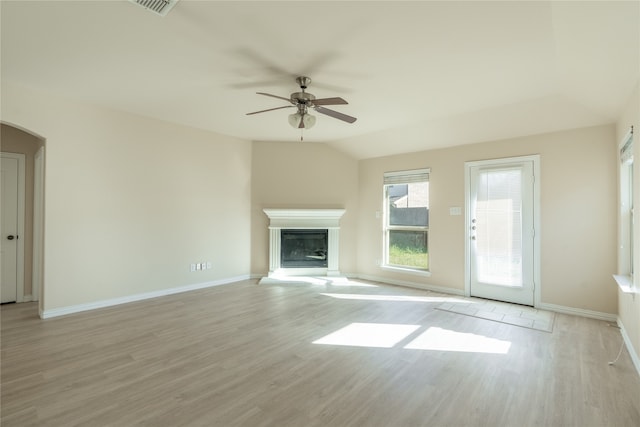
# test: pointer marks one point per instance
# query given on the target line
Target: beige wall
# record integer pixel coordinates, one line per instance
(578, 214)
(130, 202)
(629, 304)
(302, 175)
(13, 140)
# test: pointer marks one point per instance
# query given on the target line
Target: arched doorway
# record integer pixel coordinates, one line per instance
(20, 143)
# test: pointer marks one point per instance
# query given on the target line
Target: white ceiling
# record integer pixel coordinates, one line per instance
(418, 75)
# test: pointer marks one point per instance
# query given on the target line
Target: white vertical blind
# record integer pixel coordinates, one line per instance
(406, 177)
(626, 152)
(499, 227)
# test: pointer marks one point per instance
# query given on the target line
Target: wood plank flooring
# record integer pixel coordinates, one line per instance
(244, 355)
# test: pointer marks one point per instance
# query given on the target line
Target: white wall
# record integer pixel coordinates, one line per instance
(131, 202)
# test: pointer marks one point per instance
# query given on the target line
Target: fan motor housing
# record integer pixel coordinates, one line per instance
(302, 97)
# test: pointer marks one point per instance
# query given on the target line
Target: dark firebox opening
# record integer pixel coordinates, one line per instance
(303, 248)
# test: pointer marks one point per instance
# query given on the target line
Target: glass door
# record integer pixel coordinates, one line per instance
(501, 231)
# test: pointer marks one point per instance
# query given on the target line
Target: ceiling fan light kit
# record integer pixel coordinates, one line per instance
(303, 101)
(302, 120)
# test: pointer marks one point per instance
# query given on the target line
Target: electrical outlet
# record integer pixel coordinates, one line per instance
(209, 266)
(193, 267)
(198, 266)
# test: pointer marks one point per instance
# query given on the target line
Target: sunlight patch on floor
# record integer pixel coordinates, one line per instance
(382, 335)
(446, 340)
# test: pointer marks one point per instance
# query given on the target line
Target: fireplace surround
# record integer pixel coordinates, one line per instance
(300, 224)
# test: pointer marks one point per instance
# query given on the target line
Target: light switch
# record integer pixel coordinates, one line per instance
(455, 210)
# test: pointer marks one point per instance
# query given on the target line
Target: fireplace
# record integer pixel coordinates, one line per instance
(303, 242)
(303, 248)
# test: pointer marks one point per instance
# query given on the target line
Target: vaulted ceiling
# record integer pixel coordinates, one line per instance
(417, 75)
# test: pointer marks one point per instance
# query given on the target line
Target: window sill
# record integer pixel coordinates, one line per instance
(625, 284)
(423, 273)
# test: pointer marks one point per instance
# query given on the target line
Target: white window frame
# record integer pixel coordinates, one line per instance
(398, 178)
(626, 252)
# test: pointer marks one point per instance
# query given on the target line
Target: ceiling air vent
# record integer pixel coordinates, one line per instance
(159, 7)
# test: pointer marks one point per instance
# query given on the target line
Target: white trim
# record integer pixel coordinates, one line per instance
(409, 284)
(406, 270)
(627, 341)
(21, 158)
(626, 265)
(304, 218)
(537, 267)
(599, 315)
(542, 306)
(62, 311)
(625, 284)
(38, 224)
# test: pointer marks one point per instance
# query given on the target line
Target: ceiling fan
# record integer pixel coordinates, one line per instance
(303, 101)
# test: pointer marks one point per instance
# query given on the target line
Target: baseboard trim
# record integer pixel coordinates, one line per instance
(72, 309)
(27, 298)
(543, 306)
(627, 342)
(578, 312)
(409, 284)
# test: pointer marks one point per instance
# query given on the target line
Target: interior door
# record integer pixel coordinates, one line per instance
(501, 230)
(9, 242)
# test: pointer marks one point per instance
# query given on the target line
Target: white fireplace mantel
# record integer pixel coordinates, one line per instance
(304, 218)
(323, 219)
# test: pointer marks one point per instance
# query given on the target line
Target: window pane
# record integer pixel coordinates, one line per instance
(408, 204)
(408, 248)
(407, 223)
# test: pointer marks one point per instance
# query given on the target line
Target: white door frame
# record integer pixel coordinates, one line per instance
(38, 224)
(536, 218)
(21, 158)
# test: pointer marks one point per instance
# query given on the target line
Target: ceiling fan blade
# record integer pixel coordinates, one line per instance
(329, 101)
(335, 114)
(274, 96)
(270, 109)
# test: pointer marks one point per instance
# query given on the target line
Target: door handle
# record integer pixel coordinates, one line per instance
(10, 237)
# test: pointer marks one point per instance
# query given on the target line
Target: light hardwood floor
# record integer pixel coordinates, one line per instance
(244, 355)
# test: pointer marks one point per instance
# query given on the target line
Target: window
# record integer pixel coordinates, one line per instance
(626, 267)
(406, 219)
